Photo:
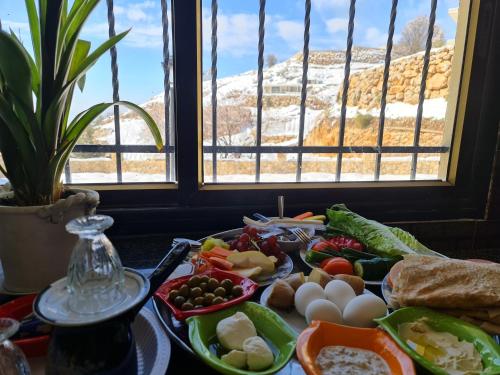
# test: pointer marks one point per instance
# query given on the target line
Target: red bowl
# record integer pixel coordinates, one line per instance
(249, 288)
(18, 309)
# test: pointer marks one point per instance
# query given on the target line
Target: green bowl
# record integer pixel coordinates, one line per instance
(484, 344)
(270, 326)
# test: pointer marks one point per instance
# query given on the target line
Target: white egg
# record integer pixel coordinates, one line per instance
(361, 310)
(305, 294)
(322, 309)
(339, 292)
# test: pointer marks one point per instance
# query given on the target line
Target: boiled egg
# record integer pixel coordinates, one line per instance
(322, 309)
(339, 292)
(305, 294)
(361, 310)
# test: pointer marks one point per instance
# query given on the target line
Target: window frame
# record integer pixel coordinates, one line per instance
(464, 194)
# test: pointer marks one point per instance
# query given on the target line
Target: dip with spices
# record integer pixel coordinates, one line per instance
(336, 360)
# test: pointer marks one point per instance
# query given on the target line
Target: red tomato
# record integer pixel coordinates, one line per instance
(324, 262)
(325, 245)
(343, 242)
(337, 266)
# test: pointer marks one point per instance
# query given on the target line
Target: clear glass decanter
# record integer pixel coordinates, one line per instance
(12, 359)
(95, 272)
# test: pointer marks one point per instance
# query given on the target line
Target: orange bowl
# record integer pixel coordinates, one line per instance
(320, 334)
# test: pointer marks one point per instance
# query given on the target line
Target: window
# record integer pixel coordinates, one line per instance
(422, 164)
(275, 108)
(117, 147)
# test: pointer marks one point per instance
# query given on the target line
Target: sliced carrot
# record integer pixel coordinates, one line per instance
(220, 252)
(221, 263)
(304, 215)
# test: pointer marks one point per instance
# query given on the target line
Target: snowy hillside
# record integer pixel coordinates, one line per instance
(281, 109)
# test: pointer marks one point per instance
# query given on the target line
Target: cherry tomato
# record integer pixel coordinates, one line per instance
(325, 245)
(343, 242)
(337, 266)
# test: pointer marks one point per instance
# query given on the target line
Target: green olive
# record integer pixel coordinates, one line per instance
(187, 306)
(204, 279)
(179, 300)
(184, 290)
(227, 284)
(196, 292)
(207, 300)
(203, 286)
(173, 294)
(237, 290)
(217, 300)
(213, 284)
(194, 281)
(220, 292)
(198, 300)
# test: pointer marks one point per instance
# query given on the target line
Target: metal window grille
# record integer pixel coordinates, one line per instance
(341, 149)
(118, 149)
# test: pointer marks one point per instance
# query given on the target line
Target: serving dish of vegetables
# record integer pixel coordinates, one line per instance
(344, 255)
(245, 252)
(354, 245)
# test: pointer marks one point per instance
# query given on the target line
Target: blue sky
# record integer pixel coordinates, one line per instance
(140, 54)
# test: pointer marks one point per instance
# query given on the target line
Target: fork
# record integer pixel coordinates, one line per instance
(301, 235)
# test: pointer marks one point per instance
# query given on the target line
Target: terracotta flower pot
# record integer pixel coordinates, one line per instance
(34, 245)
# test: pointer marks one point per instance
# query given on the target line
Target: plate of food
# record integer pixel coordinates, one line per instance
(341, 254)
(464, 289)
(244, 339)
(369, 248)
(204, 293)
(245, 252)
(329, 348)
(441, 343)
(178, 331)
(340, 299)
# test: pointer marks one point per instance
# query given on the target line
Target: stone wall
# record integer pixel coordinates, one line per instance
(365, 87)
(359, 54)
(284, 100)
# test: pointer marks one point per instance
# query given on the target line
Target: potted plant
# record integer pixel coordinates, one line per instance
(37, 138)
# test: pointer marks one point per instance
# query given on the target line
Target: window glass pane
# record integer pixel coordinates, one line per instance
(395, 167)
(88, 168)
(428, 166)
(278, 167)
(357, 167)
(319, 167)
(140, 63)
(237, 84)
(143, 167)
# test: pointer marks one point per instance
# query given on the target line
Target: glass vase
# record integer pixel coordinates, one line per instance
(12, 359)
(95, 272)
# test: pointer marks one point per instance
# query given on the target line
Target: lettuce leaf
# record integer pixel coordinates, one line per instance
(378, 238)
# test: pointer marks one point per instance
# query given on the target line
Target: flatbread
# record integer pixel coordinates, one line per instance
(447, 284)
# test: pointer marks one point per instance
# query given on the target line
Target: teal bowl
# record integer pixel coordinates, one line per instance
(269, 325)
(483, 343)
